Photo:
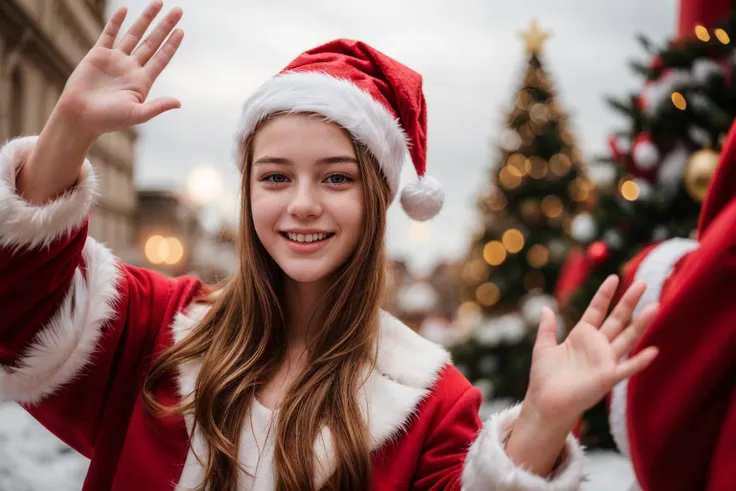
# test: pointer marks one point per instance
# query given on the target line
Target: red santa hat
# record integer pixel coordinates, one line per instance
(677, 419)
(374, 97)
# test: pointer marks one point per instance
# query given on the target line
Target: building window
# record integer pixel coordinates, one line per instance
(17, 95)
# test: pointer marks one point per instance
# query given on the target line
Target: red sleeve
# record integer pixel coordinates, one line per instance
(443, 456)
(77, 326)
(460, 453)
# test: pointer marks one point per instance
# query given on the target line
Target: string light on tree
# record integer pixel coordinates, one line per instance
(679, 101)
(537, 256)
(552, 206)
(701, 32)
(722, 36)
(488, 294)
(475, 271)
(513, 240)
(494, 253)
(629, 189)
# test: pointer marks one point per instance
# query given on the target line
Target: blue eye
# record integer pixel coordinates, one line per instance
(275, 178)
(339, 179)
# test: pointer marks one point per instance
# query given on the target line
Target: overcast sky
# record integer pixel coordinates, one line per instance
(470, 55)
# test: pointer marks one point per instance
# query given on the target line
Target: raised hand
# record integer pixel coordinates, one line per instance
(108, 89)
(567, 379)
(571, 377)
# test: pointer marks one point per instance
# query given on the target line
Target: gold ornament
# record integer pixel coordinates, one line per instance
(699, 170)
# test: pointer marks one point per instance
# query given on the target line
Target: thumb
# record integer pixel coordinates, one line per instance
(547, 333)
(146, 112)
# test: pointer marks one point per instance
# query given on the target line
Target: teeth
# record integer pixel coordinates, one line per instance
(306, 237)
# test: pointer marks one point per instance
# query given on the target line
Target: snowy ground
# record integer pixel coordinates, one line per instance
(31, 459)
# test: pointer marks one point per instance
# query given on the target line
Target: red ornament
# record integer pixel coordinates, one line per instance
(597, 253)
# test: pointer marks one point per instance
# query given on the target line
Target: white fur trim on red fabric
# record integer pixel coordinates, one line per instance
(407, 368)
(339, 100)
(658, 266)
(24, 225)
(617, 417)
(488, 466)
(65, 345)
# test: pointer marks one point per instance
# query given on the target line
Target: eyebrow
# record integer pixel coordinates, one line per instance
(337, 159)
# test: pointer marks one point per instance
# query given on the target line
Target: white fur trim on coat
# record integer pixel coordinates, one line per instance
(60, 351)
(488, 466)
(25, 225)
(339, 100)
(407, 368)
(658, 266)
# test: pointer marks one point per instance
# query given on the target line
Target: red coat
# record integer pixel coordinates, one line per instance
(677, 419)
(79, 329)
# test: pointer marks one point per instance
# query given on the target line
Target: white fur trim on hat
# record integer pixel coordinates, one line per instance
(423, 198)
(339, 100)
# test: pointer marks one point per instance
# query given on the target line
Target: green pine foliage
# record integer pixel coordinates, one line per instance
(535, 187)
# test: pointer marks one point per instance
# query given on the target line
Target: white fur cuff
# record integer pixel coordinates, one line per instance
(61, 350)
(27, 226)
(487, 465)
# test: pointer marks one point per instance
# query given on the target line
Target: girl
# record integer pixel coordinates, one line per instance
(288, 376)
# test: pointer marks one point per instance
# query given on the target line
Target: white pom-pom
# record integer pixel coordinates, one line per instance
(645, 155)
(423, 198)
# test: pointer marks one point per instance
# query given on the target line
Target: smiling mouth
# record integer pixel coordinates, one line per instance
(307, 238)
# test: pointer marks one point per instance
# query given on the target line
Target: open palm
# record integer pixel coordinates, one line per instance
(571, 377)
(108, 89)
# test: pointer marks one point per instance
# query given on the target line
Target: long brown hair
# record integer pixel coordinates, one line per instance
(241, 343)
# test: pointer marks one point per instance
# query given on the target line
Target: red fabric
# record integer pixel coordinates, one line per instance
(575, 271)
(722, 188)
(397, 87)
(708, 13)
(680, 411)
(101, 414)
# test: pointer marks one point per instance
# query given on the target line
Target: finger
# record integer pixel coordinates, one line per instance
(110, 32)
(596, 311)
(547, 333)
(153, 42)
(636, 364)
(149, 110)
(163, 56)
(626, 341)
(136, 31)
(621, 314)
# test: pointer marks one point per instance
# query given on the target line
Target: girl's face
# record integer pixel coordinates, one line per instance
(305, 195)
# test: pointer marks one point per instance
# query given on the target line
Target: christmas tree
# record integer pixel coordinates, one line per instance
(652, 184)
(536, 186)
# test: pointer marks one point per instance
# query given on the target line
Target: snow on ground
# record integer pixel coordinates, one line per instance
(32, 459)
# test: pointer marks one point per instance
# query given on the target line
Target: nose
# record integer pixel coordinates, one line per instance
(305, 202)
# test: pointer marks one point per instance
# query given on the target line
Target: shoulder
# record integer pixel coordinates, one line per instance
(410, 359)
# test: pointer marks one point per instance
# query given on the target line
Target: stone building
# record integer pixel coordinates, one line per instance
(41, 41)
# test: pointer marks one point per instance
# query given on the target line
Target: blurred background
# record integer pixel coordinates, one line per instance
(568, 136)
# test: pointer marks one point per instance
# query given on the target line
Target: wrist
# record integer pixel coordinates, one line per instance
(65, 123)
(553, 422)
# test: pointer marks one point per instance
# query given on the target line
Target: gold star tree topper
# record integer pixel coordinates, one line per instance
(535, 38)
